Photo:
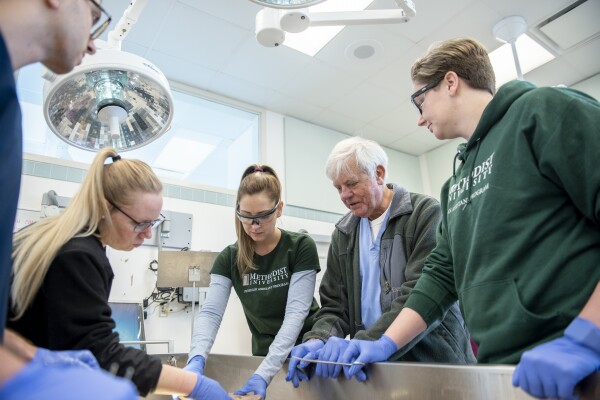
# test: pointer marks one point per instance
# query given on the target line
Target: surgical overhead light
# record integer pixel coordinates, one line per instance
(113, 98)
(279, 17)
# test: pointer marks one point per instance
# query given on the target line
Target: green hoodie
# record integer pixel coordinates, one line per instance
(519, 241)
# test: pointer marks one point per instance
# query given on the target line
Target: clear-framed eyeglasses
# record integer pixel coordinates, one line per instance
(101, 20)
(257, 219)
(140, 226)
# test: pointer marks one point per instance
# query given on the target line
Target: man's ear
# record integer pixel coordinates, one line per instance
(451, 82)
(380, 174)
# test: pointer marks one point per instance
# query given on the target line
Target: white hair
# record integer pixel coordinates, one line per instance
(355, 152)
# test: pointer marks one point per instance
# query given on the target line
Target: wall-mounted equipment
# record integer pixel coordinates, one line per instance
(279, 17)
(113, 98)
(187, 270)
(53, 204)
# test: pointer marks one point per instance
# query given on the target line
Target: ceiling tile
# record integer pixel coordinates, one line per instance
(320, 84)
(585, 58)
(334, 53)
(268, 67)
(287, 105)
(337, 122)
(205, 40)
(366, 102)
(181, 70)
(476, 21)
(395, 77)
(240, 89)
(431, 14)
(380, 135)
(558, 72)
(533, 11)
(238, 12)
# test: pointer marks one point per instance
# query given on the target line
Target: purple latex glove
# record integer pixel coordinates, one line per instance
(308, 350)
(207, 388)
(332, 351)
(553, 369)
(366, 352)
(255, 384)
(66, 381)
(76, 358)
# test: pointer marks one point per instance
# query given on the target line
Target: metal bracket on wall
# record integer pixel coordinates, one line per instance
(174, 232)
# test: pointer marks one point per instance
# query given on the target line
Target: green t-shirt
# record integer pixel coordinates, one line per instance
(263, 292)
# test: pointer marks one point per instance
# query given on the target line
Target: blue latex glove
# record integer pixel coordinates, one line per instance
(366, 352)
(76, 358)
(207, 388)
(332, 351)
(255, 384)
(196, 365)
(308, 350)
(553, 369)
(40, 381)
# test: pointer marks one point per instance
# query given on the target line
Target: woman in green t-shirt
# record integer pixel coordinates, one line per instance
(273, 272)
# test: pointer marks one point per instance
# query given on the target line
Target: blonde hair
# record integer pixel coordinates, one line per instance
(35, 247)
(467, 57)
(255, 179)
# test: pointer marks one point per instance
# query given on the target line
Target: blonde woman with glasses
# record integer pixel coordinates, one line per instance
(62, 276)
(273, 272)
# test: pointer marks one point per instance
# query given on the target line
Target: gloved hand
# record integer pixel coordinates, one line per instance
(255, 384)
(553, 369)
(332, 351)
(76, 358)
(308, 350)
(366, 352)
(196, 364)
(207, 388)
(40, 381)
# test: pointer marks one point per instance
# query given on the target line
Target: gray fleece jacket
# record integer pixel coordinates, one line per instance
(407, 240)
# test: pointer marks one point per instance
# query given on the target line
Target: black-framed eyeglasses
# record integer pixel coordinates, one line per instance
(141, 226)
(258, 218)
(101, 21)
(414, 97)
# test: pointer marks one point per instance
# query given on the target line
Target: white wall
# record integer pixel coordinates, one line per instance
(437, 167)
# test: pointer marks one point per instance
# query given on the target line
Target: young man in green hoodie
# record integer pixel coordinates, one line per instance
(519, 240)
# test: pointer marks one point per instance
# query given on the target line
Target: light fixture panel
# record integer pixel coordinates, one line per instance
(287, 3)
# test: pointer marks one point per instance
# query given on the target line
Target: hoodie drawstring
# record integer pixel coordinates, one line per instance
(477, 143)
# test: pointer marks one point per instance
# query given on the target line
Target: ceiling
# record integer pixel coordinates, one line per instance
(211, 45)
